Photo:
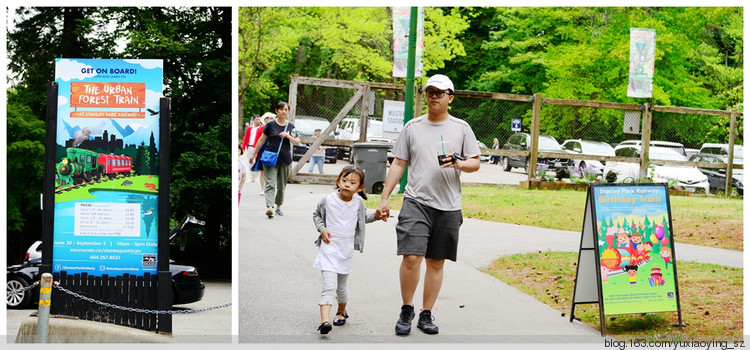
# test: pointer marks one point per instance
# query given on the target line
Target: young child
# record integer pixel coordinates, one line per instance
(241, 173)
(340, 219)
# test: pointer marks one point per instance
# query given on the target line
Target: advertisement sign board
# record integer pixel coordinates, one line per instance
(626, 260)
(107, 166)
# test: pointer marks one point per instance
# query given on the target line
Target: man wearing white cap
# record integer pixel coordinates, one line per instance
(437, 147)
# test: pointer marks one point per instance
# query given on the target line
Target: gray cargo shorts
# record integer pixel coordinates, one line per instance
(432, 233)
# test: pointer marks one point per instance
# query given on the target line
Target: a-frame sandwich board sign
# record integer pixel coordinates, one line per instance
(626, 259)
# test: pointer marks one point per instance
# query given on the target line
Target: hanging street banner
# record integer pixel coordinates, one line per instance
(107, 166)
(401, 19)
(642, 49)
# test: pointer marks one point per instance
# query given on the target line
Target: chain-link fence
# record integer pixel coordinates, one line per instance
(527, 136)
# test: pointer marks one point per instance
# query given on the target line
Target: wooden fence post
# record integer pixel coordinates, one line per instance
(536, 116)
(730, 160)
(645, 138)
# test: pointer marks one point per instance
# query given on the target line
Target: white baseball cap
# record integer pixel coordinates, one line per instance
(441, 82)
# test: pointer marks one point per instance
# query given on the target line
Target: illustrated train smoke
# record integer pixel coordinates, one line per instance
(82, 165)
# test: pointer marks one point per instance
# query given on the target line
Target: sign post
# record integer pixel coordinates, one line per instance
(626, 260)
(106, 199)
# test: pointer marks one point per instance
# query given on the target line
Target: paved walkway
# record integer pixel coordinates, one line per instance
(279, 289)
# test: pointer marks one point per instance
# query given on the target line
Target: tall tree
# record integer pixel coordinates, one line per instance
(195, 44)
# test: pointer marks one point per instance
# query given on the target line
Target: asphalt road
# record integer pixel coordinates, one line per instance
(214, 326)
(279, 289)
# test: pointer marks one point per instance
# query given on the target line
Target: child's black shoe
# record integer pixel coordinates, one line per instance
(325, 327)
(340, 321)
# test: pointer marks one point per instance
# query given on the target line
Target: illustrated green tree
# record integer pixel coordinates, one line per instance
(140, 162)
(153, 156)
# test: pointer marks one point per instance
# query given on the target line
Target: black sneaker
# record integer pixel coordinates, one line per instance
(425, 322)
(403, 326)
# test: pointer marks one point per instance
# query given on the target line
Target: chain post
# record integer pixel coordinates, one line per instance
(45, 300)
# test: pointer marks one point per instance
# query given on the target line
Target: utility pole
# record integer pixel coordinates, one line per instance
(409, 97)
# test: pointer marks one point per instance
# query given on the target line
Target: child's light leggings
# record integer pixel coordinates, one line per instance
(334, 285)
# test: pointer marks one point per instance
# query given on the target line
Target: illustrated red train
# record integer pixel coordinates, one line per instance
(83, 165)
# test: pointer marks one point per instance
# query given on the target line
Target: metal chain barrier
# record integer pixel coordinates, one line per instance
(19, 291)
(124, 308)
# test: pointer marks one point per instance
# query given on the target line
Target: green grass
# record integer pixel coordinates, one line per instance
(84, 192)
(711, 296)
(707, 221)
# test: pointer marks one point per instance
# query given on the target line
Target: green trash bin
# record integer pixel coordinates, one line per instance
(372, 157)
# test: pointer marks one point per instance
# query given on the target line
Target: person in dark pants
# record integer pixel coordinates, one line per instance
(437, 148)
(277, 134)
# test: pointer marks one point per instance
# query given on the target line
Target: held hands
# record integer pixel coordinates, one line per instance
(325, 236)
(382, 212)
(283, 134)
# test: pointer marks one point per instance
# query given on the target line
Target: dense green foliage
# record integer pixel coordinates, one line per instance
(573, 53)
(195, 44)
(328, 42)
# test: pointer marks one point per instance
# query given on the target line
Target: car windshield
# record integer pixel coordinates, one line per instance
(547, 142)
(598, 148)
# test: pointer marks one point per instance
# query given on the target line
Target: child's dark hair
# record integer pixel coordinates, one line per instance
(242, 151)
(631, 267)
(349, 169)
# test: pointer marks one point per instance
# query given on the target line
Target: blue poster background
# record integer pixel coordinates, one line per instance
(90, 146)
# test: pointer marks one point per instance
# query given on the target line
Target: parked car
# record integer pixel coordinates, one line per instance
(722, 150)
(687, 177)
(305, 127)
(680, 148)
(187, 286)
(690, 151)
(520, 141)
(483, 158)
(717, 177)
(331, 152)
(592, 148)
(34, 251)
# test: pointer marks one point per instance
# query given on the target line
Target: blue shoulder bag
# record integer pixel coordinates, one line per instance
(269, 158)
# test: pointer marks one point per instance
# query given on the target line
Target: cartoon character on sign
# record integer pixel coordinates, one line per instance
(637, 250)
(610, 256)
(623, 240)
(605, 273)
(666, 254)
(632, 271)
(656, 278)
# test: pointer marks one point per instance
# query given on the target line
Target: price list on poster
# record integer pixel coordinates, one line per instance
(107, 219)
